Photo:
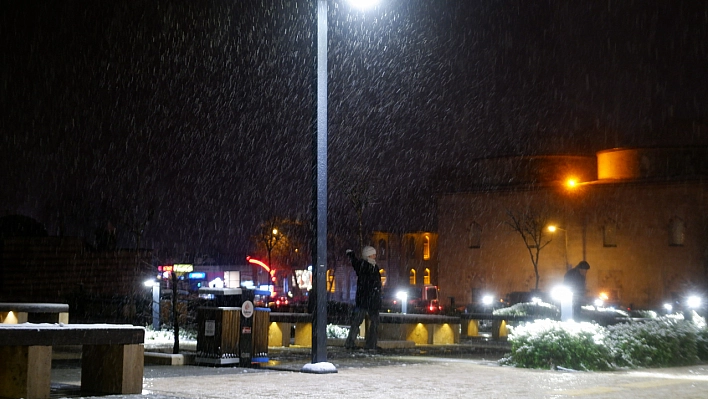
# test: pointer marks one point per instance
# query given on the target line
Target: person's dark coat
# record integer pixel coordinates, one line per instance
(575, 281)
(368, 286)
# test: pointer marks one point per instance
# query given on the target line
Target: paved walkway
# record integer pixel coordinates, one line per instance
(447, 374)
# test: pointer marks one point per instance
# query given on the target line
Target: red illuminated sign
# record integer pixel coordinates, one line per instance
(261, 264)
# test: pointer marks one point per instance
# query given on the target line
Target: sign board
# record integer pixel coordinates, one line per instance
(197, 275)
(209, 328)
(183, 268)
(247, 309)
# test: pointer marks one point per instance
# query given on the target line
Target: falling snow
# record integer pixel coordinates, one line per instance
(198, 117)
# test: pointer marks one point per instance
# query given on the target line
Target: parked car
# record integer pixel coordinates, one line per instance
(279, 303)
(423, 299)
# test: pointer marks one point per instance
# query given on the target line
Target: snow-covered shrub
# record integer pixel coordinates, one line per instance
(551, 344)
(660, 342)
(647, 314)
(167, 335)
(335, 331)
(657, 342)
(702, 343)
(540, 309)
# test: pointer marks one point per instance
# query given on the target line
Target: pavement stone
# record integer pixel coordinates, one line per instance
(447, 371)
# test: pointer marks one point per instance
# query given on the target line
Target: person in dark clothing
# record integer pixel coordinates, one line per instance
(368, 297)
(575, 280)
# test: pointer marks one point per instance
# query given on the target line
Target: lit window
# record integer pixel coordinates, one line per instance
(676, 232)
(232, 279)
(426, 276)
(412, 279)
(474, 236)
(426, 247)
(331, 283)
(383, 277)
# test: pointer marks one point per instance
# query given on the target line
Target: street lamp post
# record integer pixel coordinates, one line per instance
(564, 295)
(319, 319)
(155, 286)
(553, 229)
(319, 211)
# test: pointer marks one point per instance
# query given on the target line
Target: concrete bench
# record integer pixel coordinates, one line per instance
(423, 329)
(15, 313)
(418, 328)
(470, 323)
(282, 323)
(111, 363)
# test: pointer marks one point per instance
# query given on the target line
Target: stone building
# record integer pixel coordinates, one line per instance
(638, 216)
(404, 259)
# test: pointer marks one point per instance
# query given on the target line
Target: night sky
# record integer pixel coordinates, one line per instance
(204, 111)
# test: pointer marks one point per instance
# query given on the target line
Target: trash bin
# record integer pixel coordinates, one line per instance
(254, 324)
(233, 335)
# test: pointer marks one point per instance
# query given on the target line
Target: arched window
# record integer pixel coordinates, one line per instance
(381, 255)
(383, 277)
(426, 276)
(412, 278)
(426, 247)
(474, 236)
(331, 283)
(677, 232)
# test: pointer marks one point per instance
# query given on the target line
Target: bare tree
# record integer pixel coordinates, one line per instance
(531, 226)
(293, 246)
(270, 235)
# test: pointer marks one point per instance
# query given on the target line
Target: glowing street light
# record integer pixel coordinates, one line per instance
(363, 4)
(693, 302)
(403, 296)
(564, 295)
(155, 286)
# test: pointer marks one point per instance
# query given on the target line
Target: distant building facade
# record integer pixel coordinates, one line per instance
(638, 216)
(403, 259)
